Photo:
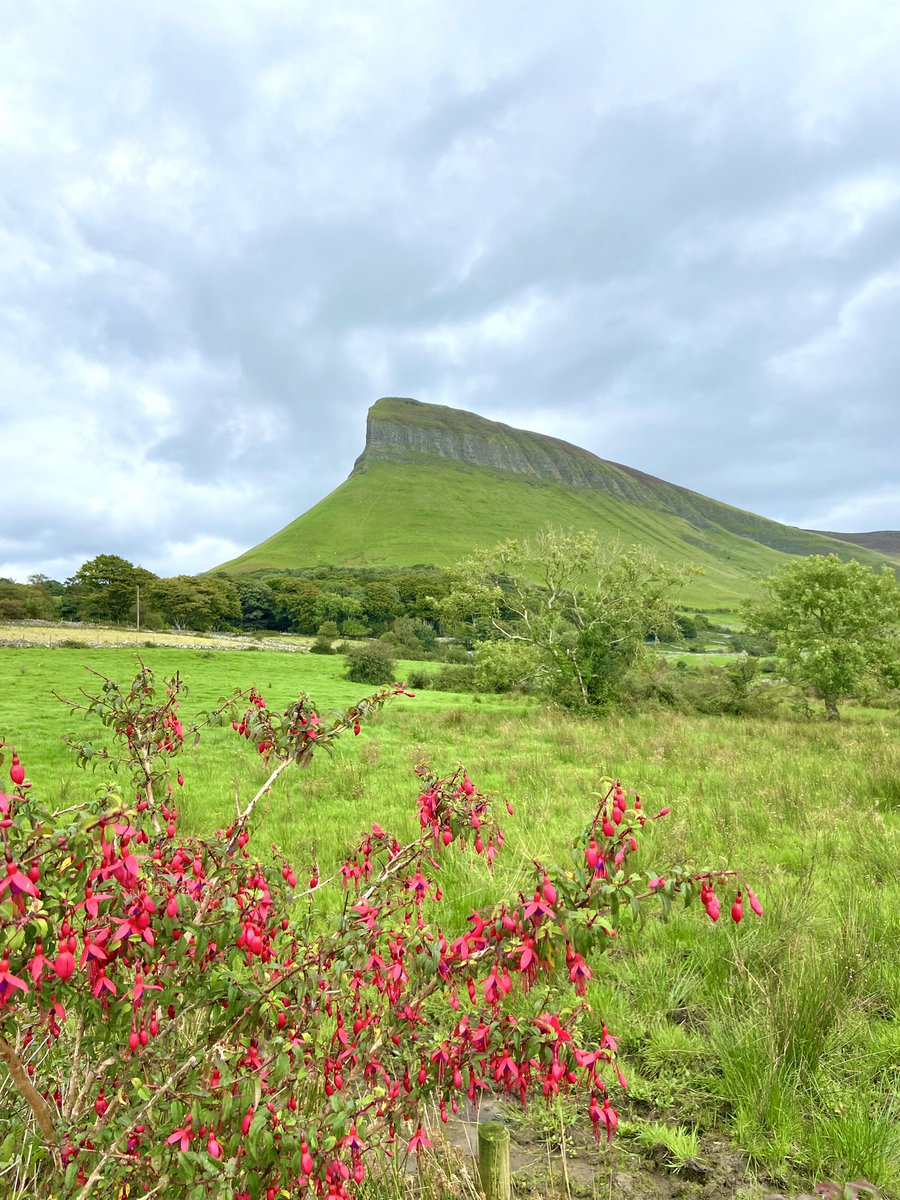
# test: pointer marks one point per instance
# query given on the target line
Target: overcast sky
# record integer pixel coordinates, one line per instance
(667, 232)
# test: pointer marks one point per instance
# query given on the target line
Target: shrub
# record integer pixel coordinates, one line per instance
(321, 645)
(174, 1014)
(418, 679)
(506, 666)
(370, 662)
(453, 652)
(455, 679)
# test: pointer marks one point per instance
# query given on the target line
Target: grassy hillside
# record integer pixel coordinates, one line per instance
(394, 515)
(435, 483)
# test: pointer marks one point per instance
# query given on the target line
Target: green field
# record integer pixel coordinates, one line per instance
(782, 1036)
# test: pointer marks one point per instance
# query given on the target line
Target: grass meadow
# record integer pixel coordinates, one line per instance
(780, 1039)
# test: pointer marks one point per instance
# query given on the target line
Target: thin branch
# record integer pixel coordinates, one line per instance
(245, 816)
(68, 1107)
(29, 1092)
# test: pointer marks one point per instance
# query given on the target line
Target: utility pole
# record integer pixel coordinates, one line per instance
(138, 608)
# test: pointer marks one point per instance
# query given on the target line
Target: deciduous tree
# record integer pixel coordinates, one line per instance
(107, 587)
(583, 612)
(836, 625)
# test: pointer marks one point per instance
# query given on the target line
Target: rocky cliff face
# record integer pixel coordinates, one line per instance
(400, 430)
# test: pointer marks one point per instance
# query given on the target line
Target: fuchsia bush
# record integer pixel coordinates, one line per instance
(176, 1015)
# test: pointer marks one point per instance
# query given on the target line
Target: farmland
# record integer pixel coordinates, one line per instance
(783, 1034)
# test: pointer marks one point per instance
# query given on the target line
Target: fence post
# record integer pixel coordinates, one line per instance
(493, 1160)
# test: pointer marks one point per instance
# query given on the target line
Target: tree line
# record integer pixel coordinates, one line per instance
(560, 615)
(347, 602)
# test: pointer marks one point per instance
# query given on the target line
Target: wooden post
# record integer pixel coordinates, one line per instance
(493, 1160)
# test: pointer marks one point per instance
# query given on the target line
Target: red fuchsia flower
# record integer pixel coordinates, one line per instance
(710, 901)
(9, 982)
(579, 973)
(182, 1136)
(754, 903)
(354, 1142)
(17, 771)
(550, 1023)
(93, 951)
(213, 1149)
(16, 883)
(737, 911)
(537, 908)
(140, 987)
(419, 886)
(418, 1142)
(64, 965)
(605, 1116)
(39, 964)
(102, 984)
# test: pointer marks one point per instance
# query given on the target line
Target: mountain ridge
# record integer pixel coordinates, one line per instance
(883, 541)
(434, 483)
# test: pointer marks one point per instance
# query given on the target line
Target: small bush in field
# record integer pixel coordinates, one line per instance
(456, 678)
(321, 645)
(418, 679)
(370, 662)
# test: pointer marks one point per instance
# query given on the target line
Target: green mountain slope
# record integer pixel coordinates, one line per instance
(433, 483)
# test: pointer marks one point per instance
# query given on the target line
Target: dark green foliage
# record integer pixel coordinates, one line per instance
(836, 626)
(453, 652)
(757, 644)
(25, 601)
(455, 678)
(106, 588)
(257, 602)
(410, 638)
(189, 602)
(370, 662)
(735, 689)
(580, 628)
(418, 679)
(322, 645)
(296, 604)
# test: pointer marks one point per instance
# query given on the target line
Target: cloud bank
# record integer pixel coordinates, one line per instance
(669, 234)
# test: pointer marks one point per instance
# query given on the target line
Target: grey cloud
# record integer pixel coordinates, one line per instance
(658, 234)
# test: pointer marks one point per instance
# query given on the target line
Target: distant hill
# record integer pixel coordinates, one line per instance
(885, 541)
(434, 483)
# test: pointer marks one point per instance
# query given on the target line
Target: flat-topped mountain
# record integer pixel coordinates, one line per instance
(434, 483)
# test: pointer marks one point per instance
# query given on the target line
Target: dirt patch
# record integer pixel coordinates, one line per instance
(541, 1170)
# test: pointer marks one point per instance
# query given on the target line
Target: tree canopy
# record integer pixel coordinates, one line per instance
(573, 614)
(836, 625)
(106, 588)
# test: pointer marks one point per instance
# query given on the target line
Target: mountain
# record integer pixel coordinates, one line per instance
(434, 483)
(884, 541)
